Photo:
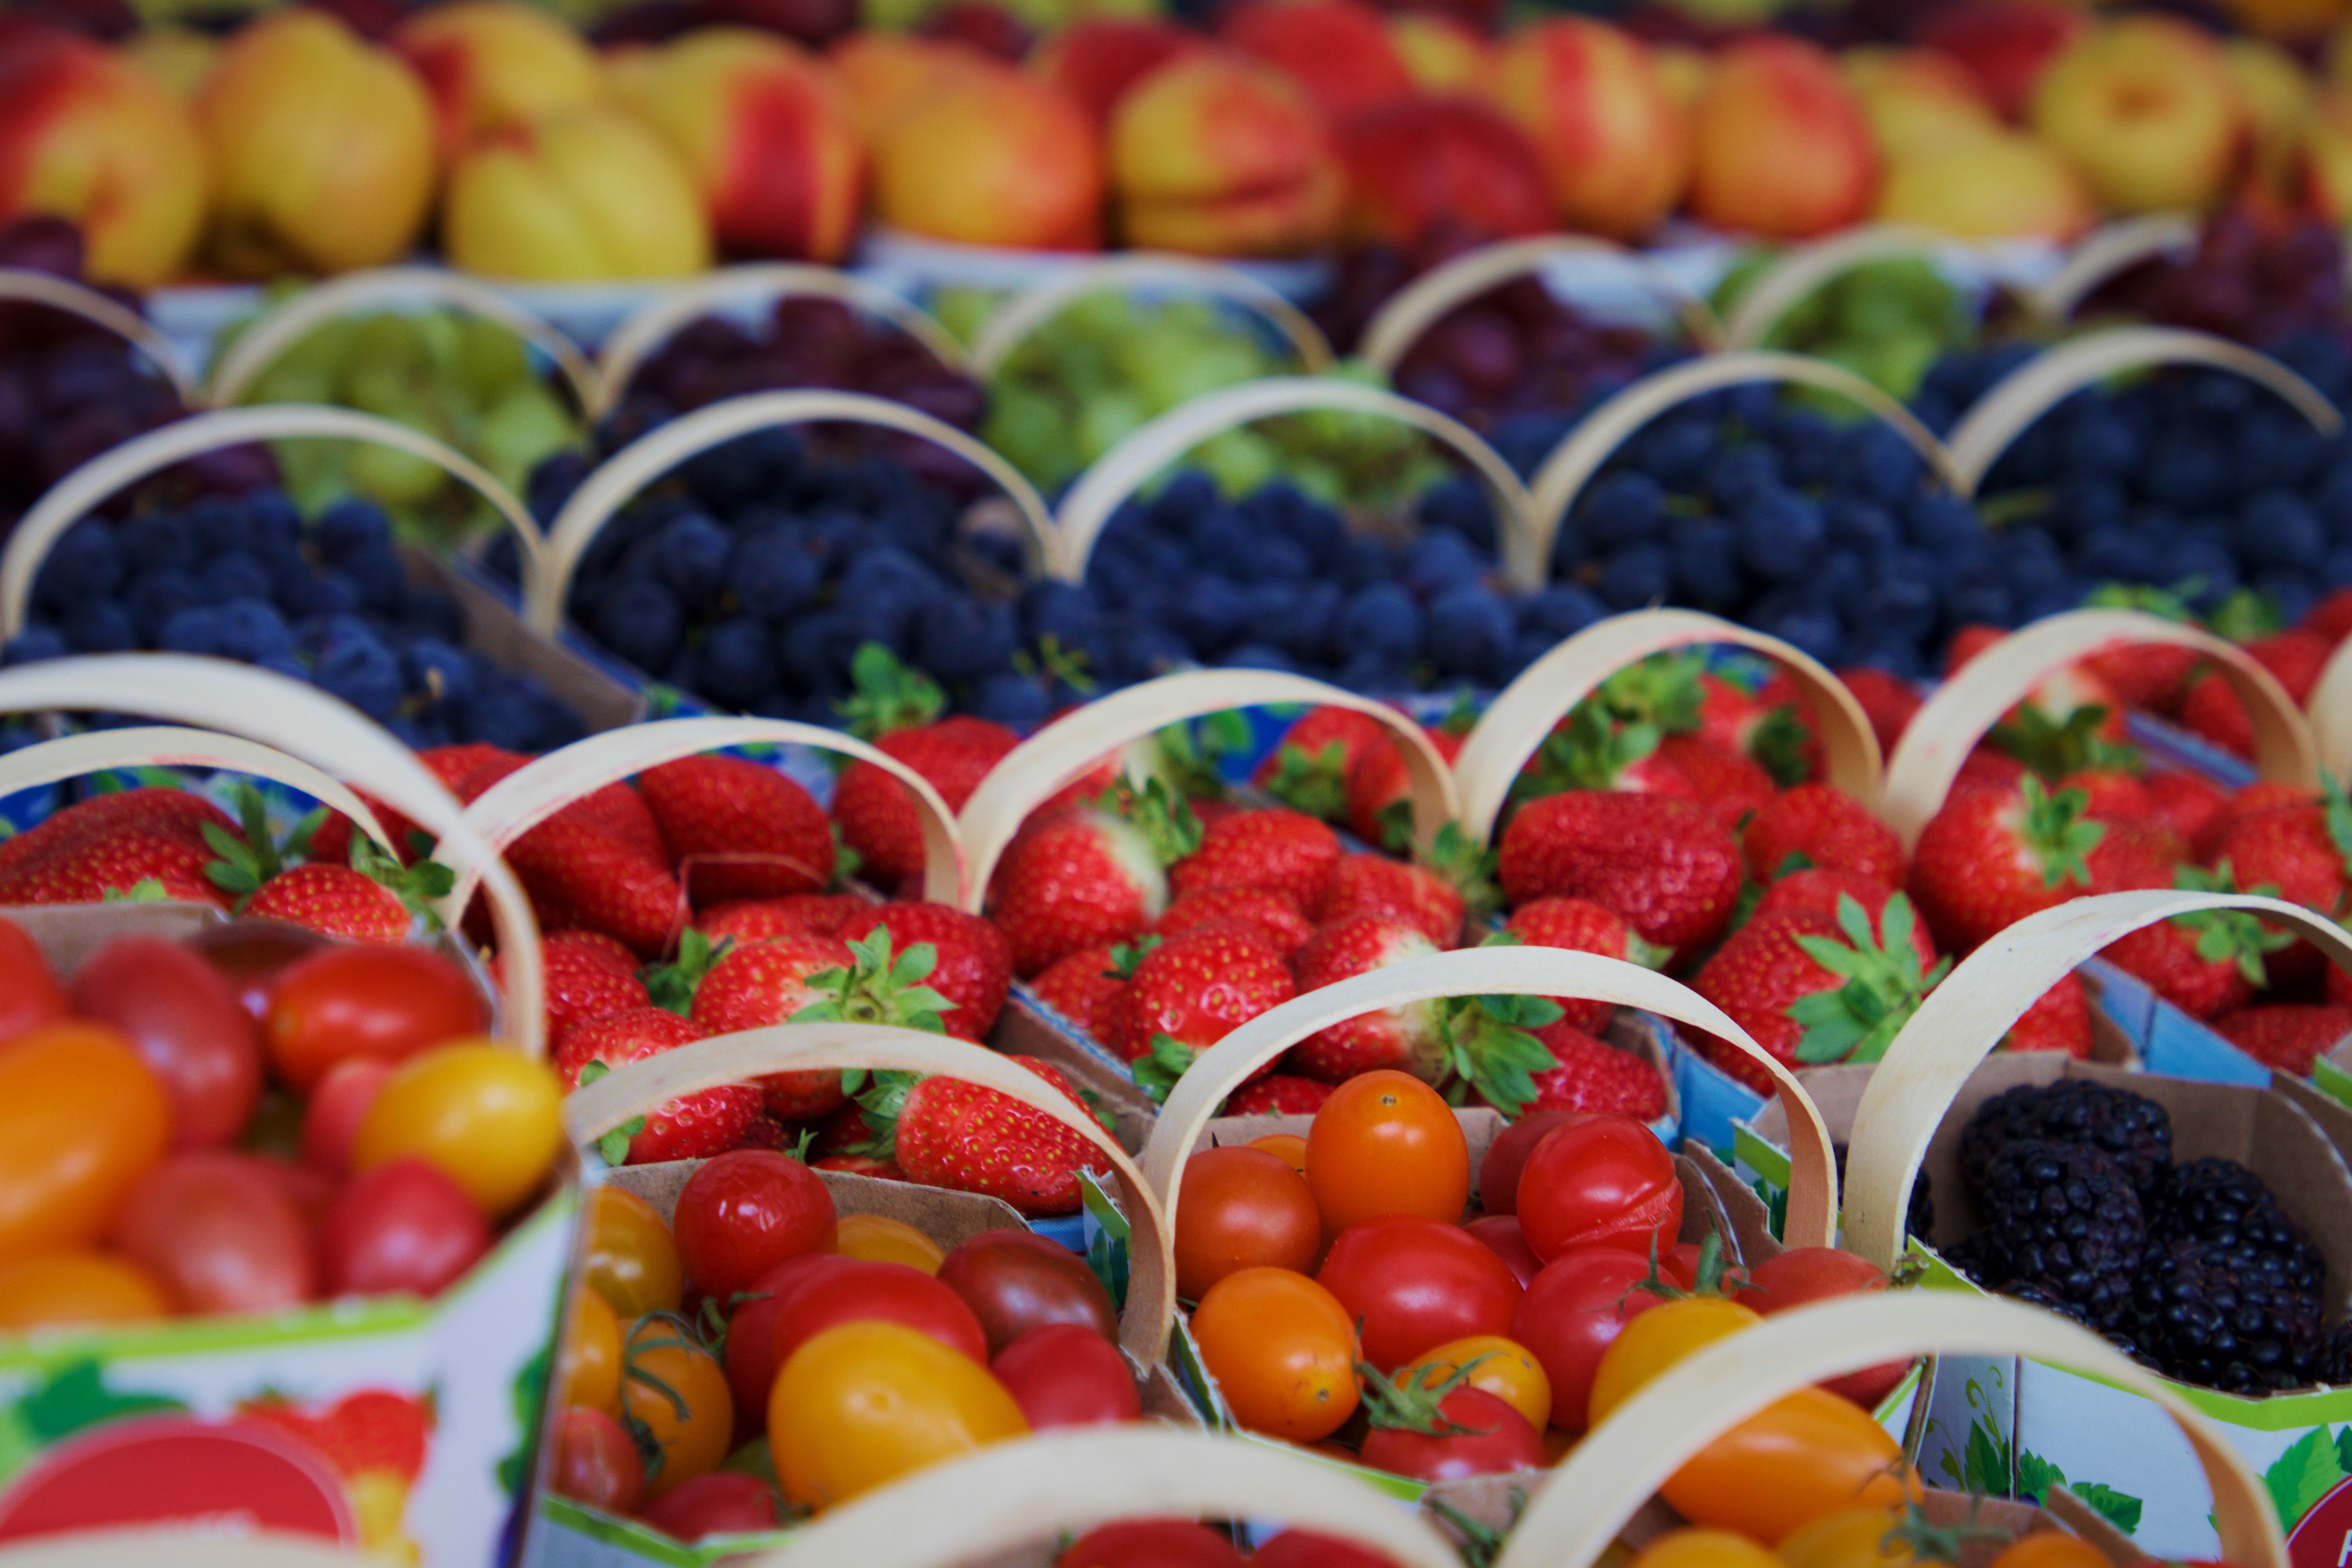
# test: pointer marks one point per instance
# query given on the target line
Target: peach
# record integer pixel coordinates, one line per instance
(764, 129)
(1097, 59)
(883, 75)
(1782, 148)
(1337, 50)
(176, 56)
(1003, 159)
(1220, 155)
(87, 135)
(2002, 184)
(1917, 100)
(1683, 71)
(583, 195)
(2146, 107)
(322, 147)
(2278, 99)
(495, 63)
(1614, 145)
(1439, 53)
(2004, 44)
(1422, 161)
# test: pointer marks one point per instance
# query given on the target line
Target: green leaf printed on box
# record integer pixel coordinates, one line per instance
(76, 1396)
(1984, 1466)
(2312, 1466)
(2036, 1476)
(529, 1396)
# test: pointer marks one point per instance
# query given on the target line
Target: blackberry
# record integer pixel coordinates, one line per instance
(2137, 1132)
(2206, 1323)
(2333, 1364)
(1919, 1215)
(2228, 1210)
(2041, 1296)
(2064, 1217)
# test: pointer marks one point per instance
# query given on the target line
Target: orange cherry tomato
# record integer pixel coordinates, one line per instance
(52, 1288)
(1282, 1350)
(1288, 1147)
(1804, 1456)
(1503, 1368)
(679, 1392)
(1851, 1538)
(1705, 1548)
(880, 1240)
(1654, 1340)
(82, 1118)
(1385, 1143)
(1241, 1208)
(588, 1360)
(628, 1257)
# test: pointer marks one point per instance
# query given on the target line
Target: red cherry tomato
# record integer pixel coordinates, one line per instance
(1309, 1549)
(1498, 1439)
(745, 1212)
(1066, 1374)
(1804, 1274)
(1507, 1156)
(400, 1226)
(1415, 1284)
(596, 1462)
(30, 996)
(1571, 1313)
(218, 1233)
(1016, 1280)
(750, 1353)
(330, 1123)
(182, 1018)
(389, 1003)
(251, 955)
(1150, 1543)
(1501, 1235)
(1602, 1180)
(856, 1290)
(719, 1503)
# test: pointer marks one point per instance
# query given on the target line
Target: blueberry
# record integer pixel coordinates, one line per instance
(1974, 599)
(1322, 531)
(1209, 612)
(441, 672)
(1874, 463)
(2100, 445)
(1892, 654)
(1569, 552)
(236, 574)
(157, 594)
(2217, 393)
(1382, 620)
(1013, 700)
(1306, 631)
(350, 527)
(31, 646)
(1636, 576)
(1524, 440)
(1706, 554)
(816, 649)
(1807, 445)
(964, 638)
(1859, 525)
(2116, 554)
(550, 484)
(499, 717)
(1470, 633)
(1741, 473)
(727, 475)
(2275, 528)
(1841, 578)
(1142, 650)
(84, 563)
(196, 629)
(738, 665)
(689, 559)
(999, 549)
(2337, 570)
(1674, 449)
(379, 578)
(430, 612)
(216, 524)
(1184, 498)
(1780, 533)
(640, 621)
(2086, 505)
(158, 542)
(250, 629)
(1558, 611)
(1282, 558)
(771, 573)
(1374, 673)
(2291, 593)
(1223, 541)
(2187, 470)
(1901, 594)
(1626, 508)
(502, 559)
(1459, 504)
(2322, 358)
(1259, 656)
(302, 593)
(1365, 560)
(100, 625)
(1438, 561)
(1939, 523)
(1066, 611)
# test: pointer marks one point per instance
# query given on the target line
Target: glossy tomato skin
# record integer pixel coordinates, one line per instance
(750, 1350)
(744, 1212)
(364, 1001)
(1570, 1317)
(1803, 1458)
(719, 1503)
(1283, 1351)
(881, 1240)
(1240, 1207)
(490, 1119)
(1386, 1144)
(1501, 1367)
(595, 1462)
(694, 1439)
(1689, 1548)
(1507, 1156)
(330, 1120)
(1851, 1538)
(250, 955)
(186, 1023)
(628, 1257)
(1150, 1543)
(30, 996)
(1414, 1284)
(1016, 1281)
(1312, 1549)
(588, 1359)
(1065, 1374)
(1601, 1181)
(51, 1290)
(1499, 1440)
(854, 1290)
(400, 1226)
(82, 1118)
(1289, 1148)
(218, 1234)
(2054, 1548)
(1500, 1235)
(1655, 1339)
(1804, 1274)
(862, 1403)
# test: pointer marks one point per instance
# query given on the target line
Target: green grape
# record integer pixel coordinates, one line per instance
(964, 310)
(312, 472)
(1105, 421)
(527, 424)
(1319, 481)
(1105, 313)
(443, 338)
(1027, 425)
(489, 359)
(1737, 278)
(386, 343)
(1901, 361)
(324, 352)
(286, 382)
(389, 391)
(1239, 460)
(393, 477)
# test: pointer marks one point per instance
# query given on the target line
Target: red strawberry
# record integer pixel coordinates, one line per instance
(1280, 850)
(1771, 726)
(451, 765)
(975, 964)
(1813, 989)
(2150, 675)
(1410, 1036)
(877, 813)
(2183, 802)
(1083, 988)
(1308, 771)
(2059, 1020)
(1277, 1094)
(971, 1138)
(622, 814)
(2300, 849)
(2331, 617)
(860, 1165)
(1670, 869)
(2111, 795)
(124, 865)
(767, 983)
(2132, 855)
(1731, 785)
(334, 899)
(1969, 642)
(1828, 827)
(1380, 789)
(1088, 878)
(2337, 987)
(1991, 857)
(1375, 885)
(1594, 1077)
(595, 943)
(1887, 700)
(1191, 991)
(2205, 963)
(747, 921)
(1269, 913)
(577, 874)
(1818, 893)
(1580, 926)
(2212, 710)
(692, 1127)
(740, 830)
(175, 814)
(2255, 798)
(1985, 768)
(2286, 1035)
(584, 981)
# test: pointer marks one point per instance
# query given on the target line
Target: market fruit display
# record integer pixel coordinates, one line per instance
(1887, 321)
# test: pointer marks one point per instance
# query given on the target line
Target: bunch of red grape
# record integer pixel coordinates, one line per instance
(2255, 280)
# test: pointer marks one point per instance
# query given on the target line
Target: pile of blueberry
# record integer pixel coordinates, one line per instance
(241, 578)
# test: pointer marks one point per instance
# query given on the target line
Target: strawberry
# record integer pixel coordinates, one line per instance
(739, 829)
(2331, 617)
(2059, 1020)
(1084, 988)
(2205, 963)
(1592, 750)
(972, 1139)
(692, 1127)
(2286, 1035)
(877, 813)
(1277, 1094)
(2183, 802)
(1374, 885)
(765, 983)
(1089, 877)
(1580, 926)
(1282, 851)
(1888, 702)
(2212, 710)
(1380, 787)
(860, 1165)
(2303, 850)
(1813, 989)
(1667, 865)
(1966, 643)
(452, 766)
(117, 843)
(1772, 726)
(2259, 796)
(584, 981)
(1821, 824)
(1268, 914)
(2150, 675)
(2133, 854)
(1191, 991)
(1731, 785)
(336, 900)
(597, 944)
(1594, 1077)
(1308, 771)
(2111, 795)
(1985, 768)
(1992, 856)
(747, 921)
(1410, 1036)
(577, 874)
(1819, 891)
(622, 814)
(971, 967)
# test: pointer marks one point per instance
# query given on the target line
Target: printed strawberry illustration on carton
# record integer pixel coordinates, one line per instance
(376, 1441)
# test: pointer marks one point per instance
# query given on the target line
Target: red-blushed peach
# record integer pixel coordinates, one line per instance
(1782, 148)
(883, 75)
(584, 194)
(2002, 184)
(1615, 147)
(2146, 108)
(1440, 54)
(179, 58)
(495, 63)
(1337, 50)
(1003, 159)
(87, 135)
(321, 145)
(764, 129)
(1683, 72)
(1917, 102)
(2004, 44)
(1421, 161)
(1220, 155)
(1096, 59)
(2279, 98)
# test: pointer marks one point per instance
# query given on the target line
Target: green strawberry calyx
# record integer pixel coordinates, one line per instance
(1884, 984)
(878, 988)
(614, 1145)
(1781, 743)
(1313, 782)
(1465, 865)
(2236, 937)
(1191, 756)
(1489, 1046)
(1156, 1071)
(672, 985)
(881, 1100)
(2057, 835)
(1163, 817)
(886, 694)
(2336, 812)
(2055, 748)
(1125, 961)
(1414, 1401)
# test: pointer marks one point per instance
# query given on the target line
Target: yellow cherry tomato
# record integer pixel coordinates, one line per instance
(1504, 1369)
(862, 1403)
(681, 1394)
(52, 1288)
(588, 1361)
(1289, 1148)
(490, 1119)
(2050, 1549)
(629, 1257)
(1850, 1537)
(880, 1240)
(1655, 1340)
(1704, 1549)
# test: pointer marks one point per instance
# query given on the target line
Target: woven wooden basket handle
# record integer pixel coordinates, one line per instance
(102, 310)
(1437, 293)
(1034, 307)
(2106, 251)
(2329, 712)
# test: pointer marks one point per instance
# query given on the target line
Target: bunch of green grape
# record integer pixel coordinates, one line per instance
(1887, 321)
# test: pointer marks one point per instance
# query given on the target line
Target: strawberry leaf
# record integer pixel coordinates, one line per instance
(1466, 867)
(877, 988)
(2236, 937)
(1780, 744)
(1156, 1071)
(880, 1106)
(2055, 833)
(1884, 982)
(672, 985)
(1126, 961)
(1414, 1401)
(1489, 1047)
(146, 891)
(1316, 784)
(887, 695)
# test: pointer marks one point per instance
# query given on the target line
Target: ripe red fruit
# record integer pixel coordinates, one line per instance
(186, 1023)
(1150, 1543)
(1066, 1375)
(861, 1291)
(719, 1503)
(1507, 1156)
(1828, 827)
(745, 1212)
(1670, 869)
(1016, 1282)
(1600, 1181)
(1571, 1314)
(400, 1226)
(1414, 1284)
(1807, 1274)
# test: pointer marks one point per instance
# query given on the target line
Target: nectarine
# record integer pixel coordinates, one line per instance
(583, 195)
(1003, 159)
(1218, 155)
(493, 64)
(2146, 107)
(1421, 161)
(1339, 50)
(1096, 59)
(1612, 142)
(1782, 148)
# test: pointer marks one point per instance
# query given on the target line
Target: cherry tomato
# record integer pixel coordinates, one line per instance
(750, 1353)
(878, 1239)
(1705, 1548)
(1283, 1351)
(744, 1212)
(596, 1461)
(82, 1118)
(720, 1503)
(1851, 1538)
(862, 1403)
(1150, 1543)
(854, 1290)
(51, 1289)
(1288, 1147)
(1501, 1367)
(1655, 1339)
(331, 1121)
(184, 1021)
(1804, 1274)
(1497, 1439)
(1066, 1374)
(2048, 1549)
(1507, 1156)
(218, 1234)
(403, 1227)
(627, 1255)
(1571, 1313)
(1310, 1548)
(365, 1000)
(1414, 1284)
(1601, 1181)
(1016, 1280)
(1385, 1143)
(1805, 1455)
(491, 1119)
(673, 1387)
(250, 954)
(588, 1359)
(1241, 1208)
(30, 996)
(1500, 1235)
